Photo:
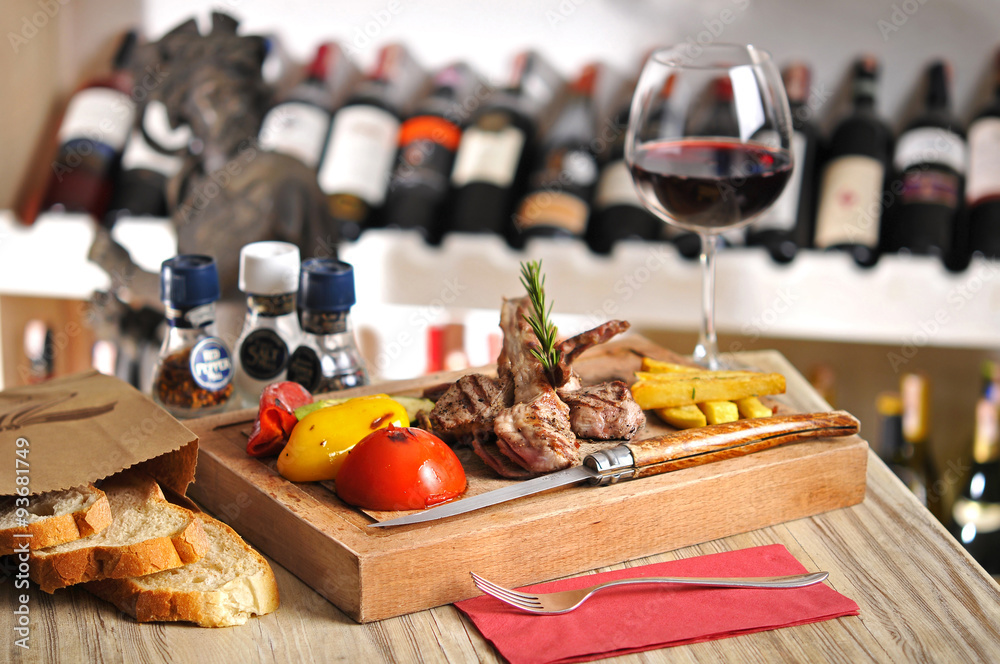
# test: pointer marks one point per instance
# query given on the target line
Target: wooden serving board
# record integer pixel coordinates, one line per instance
(376, 573)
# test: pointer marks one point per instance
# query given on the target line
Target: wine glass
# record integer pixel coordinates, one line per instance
(709, 148)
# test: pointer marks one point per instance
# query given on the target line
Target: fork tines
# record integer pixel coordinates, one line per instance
(512, 597)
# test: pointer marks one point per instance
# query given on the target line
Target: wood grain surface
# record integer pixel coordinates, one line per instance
(578, 527)
(922, 599)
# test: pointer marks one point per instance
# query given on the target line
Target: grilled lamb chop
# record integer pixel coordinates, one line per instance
(570, 349)
(535, 431)
(469, 405)
(603, 412)
(537, 435)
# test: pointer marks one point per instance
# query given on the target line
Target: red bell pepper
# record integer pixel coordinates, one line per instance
(276, 417)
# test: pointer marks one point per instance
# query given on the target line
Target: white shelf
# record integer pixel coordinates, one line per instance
(903, 301)
(824, 296)
(49, 258)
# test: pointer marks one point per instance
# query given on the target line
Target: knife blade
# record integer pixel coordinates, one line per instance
(659, 454)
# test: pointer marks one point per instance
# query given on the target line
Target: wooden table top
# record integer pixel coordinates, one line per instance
(922, 598)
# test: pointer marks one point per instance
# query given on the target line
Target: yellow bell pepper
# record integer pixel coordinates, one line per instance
(320, 441)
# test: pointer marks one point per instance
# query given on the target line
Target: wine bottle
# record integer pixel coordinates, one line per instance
(849, 214)
(891, 443)
(976, 511)
(787, 225)
(92, 135)
(355, 171)
(298, 124)
(140, 188)
(982, 190)
(916, 455)
(930, 163)
(559, 187)
(428, 140)
(617, 213)
(497, 147)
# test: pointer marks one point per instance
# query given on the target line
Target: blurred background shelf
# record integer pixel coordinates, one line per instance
(907, 301)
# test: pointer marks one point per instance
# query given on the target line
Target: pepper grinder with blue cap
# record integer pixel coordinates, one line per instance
(193, 375)
(327, 358)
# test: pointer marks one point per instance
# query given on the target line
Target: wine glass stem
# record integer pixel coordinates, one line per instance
(707, 351)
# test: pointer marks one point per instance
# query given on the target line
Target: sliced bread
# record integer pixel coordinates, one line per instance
(53, 518)
(147, 534)
(222, 589)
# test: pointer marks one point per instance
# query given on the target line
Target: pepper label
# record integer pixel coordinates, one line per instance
(211, 366)
(264, 354)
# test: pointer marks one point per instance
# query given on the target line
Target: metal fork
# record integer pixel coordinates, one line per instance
(562, 602)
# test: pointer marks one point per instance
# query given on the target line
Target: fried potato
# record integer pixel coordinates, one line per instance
(653, 391)
(658, 366)
(683, 417)
(751, 407)
(717, 412)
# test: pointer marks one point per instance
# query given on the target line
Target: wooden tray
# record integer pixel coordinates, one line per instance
(373, 574)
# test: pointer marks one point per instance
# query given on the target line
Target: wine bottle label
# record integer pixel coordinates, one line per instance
(430, 128)
(552, 208)
(263, 354)
(985, 517)
(210, 364)
(140, 155)
(296, 129)
(488, 155)
(359, 153)
(930, 145)
(427, 152)
(615, 187)
(930, 186)
(984, 160)
(850, 203)
(304, 368)
(785, 211)
(103, 115)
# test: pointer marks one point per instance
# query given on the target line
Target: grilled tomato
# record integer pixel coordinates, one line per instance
(400, 468)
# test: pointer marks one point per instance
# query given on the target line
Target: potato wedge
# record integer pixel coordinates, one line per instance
(717, 412)
(683, 417)
(658, 366)
(751, 407)
(688, 375)
(697, 387)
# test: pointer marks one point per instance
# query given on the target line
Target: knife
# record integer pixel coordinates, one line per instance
(660, 454)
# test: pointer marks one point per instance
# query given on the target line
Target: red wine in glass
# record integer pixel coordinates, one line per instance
(710, 183)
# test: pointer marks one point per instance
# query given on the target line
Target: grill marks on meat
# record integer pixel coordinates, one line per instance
(604, 412)
(537, 434)
(469, 405)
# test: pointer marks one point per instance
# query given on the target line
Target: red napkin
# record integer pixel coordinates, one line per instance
(630, 619)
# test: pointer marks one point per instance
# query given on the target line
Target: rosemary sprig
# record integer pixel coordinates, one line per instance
(541, 324)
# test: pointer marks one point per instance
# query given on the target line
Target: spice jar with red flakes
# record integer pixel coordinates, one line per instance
(193, 376)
